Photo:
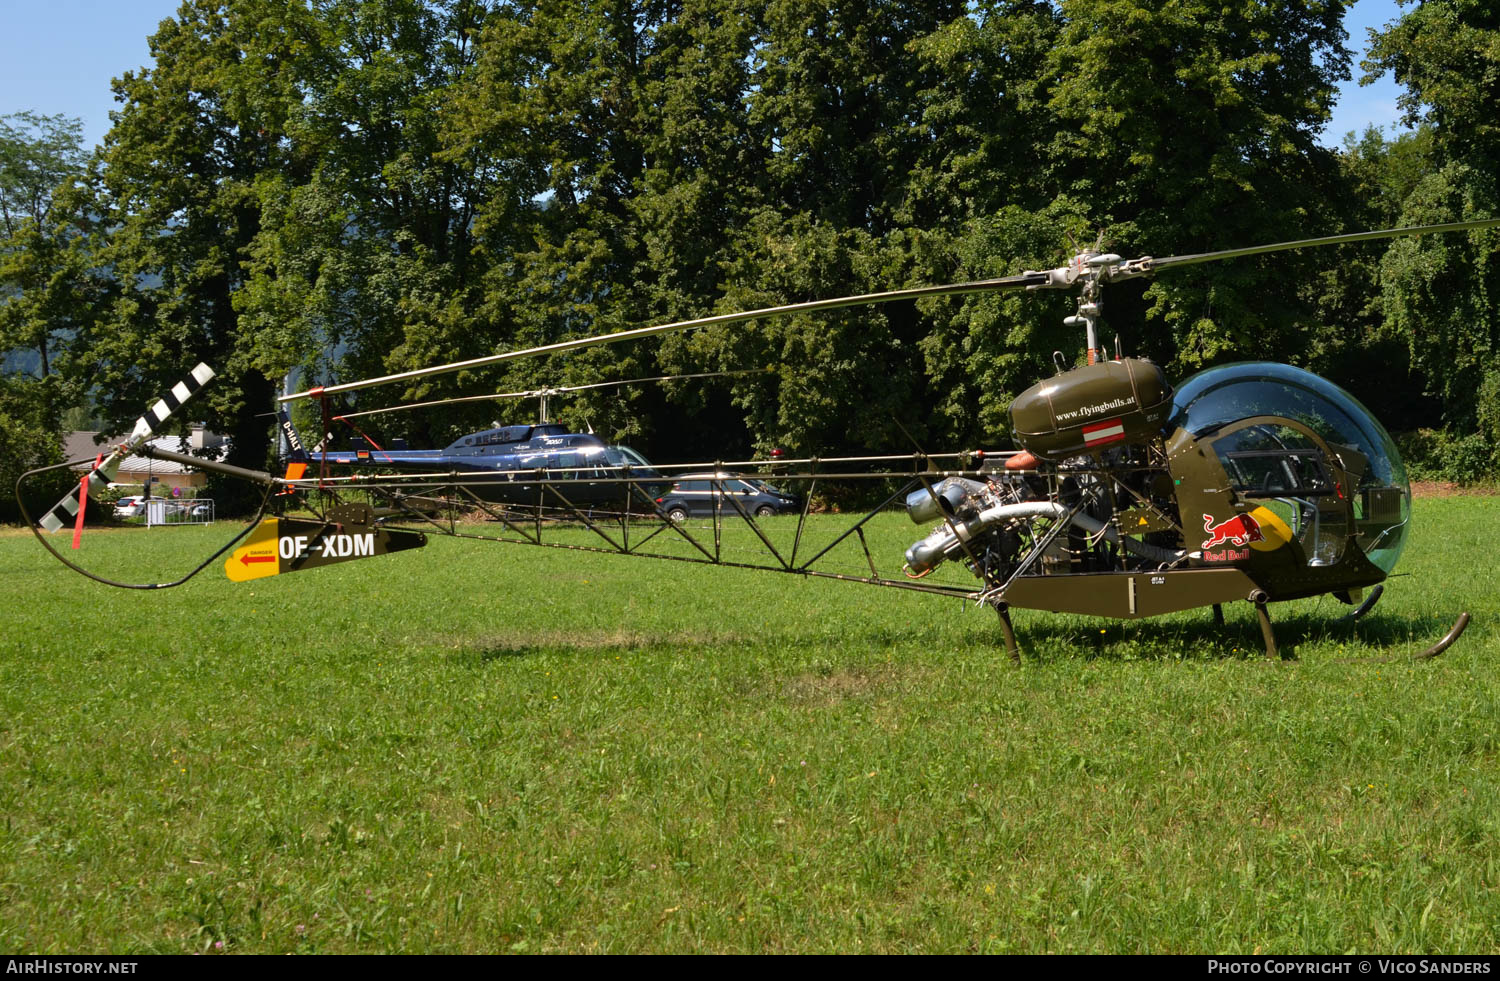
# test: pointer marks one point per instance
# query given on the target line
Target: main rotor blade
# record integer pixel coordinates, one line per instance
(661, 378)
(865, 299)
(1307, 243)
(428, 405)
(546, 391)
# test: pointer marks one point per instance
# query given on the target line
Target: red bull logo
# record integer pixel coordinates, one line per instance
(1238, 530)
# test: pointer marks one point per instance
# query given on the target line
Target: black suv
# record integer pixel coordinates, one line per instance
(701, 494)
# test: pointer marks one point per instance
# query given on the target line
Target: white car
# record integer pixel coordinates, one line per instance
(130, 507)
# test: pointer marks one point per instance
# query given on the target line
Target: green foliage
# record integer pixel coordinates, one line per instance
(1488, 407)
(49, 290)
(1438, 289)
(1440, 294)
(29, 410)
(1190, 127)
(1447, 55)
(1351, 345)
(177, 188)
(985, 122)
(47, 295)
(38, 155)
(1437, 454)
(993, 347)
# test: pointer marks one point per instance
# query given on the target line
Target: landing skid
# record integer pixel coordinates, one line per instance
(1364, 607)
(1268, 633)
(1454, 632)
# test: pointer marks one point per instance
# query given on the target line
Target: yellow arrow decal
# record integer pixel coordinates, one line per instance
(257, 558)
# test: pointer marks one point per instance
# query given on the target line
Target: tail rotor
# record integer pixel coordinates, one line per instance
(63, 513)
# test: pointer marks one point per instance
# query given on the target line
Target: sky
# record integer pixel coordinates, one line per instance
(59, 56)
(1358, 107)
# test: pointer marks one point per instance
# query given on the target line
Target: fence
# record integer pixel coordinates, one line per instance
(165, 511)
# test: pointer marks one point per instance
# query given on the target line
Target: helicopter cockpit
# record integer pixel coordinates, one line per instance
(1307, 452)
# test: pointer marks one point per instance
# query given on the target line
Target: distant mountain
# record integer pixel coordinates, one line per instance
(21, 362)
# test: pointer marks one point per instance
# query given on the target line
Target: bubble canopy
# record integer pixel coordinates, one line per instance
(1216, 399)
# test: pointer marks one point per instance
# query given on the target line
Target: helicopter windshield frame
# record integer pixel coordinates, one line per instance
(1370, 480)
(1321, 517)
(1304, 473)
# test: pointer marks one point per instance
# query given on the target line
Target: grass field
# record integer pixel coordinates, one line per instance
(481, 747)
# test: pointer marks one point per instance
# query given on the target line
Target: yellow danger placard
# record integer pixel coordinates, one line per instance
(257, 558)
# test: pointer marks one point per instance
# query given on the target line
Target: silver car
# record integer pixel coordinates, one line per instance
(698, 494)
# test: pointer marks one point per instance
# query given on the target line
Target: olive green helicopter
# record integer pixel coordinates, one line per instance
(1128, 497)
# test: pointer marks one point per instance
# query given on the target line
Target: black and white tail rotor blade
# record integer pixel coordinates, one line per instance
(66, 510)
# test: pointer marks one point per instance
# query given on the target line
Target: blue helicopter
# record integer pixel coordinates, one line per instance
(541, 465)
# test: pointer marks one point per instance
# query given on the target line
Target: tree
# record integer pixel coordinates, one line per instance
(832, 143)
(276, 198)
(178, 176)
(365, 262)
(46, 286)
(48, 290)
(1442, 293)
(1354, 346)
(985, 122)
(1446, 53)
(354, 189)
(621, 129)
(37, 155)
(1191, 127)
(29, 439)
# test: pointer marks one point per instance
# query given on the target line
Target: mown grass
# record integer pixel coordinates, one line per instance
(481, 747)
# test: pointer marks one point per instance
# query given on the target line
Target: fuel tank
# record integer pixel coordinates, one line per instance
(1093, 408)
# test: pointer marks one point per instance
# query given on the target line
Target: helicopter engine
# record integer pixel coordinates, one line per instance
(1070, 517)
(1100, 422)
(981, 523)
(970, 510)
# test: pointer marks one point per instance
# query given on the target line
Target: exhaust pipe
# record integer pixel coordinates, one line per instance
(946, 541)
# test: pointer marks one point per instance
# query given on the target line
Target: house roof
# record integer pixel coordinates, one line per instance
(80, 445)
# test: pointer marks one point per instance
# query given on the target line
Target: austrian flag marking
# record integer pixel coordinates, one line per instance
(1099, 433)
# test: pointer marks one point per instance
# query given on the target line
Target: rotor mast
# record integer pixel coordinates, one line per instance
(1089, 271)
